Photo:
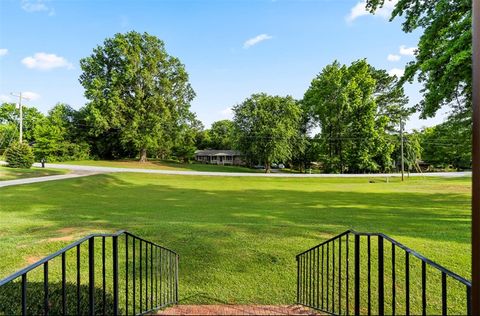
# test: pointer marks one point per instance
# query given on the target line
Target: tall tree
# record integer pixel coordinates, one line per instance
(355, 107)
(9, 115)
(58, 137)
(136, 91)
(443, 61)
(221, 134)
(266, 128)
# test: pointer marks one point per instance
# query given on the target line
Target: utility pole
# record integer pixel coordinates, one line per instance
(20, 97)
(401, 146)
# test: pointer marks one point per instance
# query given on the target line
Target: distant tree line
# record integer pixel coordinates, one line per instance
(348, 120)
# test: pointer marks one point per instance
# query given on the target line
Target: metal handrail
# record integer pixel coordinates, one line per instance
(310, 273)
(152, 268)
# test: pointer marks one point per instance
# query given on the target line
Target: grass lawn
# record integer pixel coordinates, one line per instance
(161, 165)
(237, 237)
(14, 173)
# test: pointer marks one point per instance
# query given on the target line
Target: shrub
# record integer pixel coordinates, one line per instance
(19, 155)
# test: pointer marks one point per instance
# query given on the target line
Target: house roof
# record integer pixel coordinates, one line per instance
(221, 152)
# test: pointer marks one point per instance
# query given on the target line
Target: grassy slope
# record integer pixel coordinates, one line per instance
(162, 165)
(237, 237)
(11, 173)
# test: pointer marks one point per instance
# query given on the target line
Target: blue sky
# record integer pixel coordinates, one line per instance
(231, 49)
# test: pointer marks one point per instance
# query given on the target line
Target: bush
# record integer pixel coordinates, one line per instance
(19, 155)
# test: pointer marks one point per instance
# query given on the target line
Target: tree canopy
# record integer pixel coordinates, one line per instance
(355, 106)
(443, 61)
(136, 91)
(266, 128)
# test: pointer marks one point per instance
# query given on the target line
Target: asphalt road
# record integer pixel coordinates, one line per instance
(82, 171)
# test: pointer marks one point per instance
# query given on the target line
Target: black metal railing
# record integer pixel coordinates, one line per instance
(369, 273)
(108, 274)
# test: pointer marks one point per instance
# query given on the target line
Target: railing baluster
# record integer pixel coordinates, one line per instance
(64, 285)
(91, 276)
(46, 304)
(126, 274)
(141, 277)
(407, 283)
(357, 275)
(298, 279)
(24, 294)
(78, 281)
(393, 280)
(314, 277)
(317, 304)
(115, 274)
(146, 276)
(328, 268)
(104, 270)
(424, 288)
(347, 289)
(176, 278)
(310, 272)
(444, 293)
(323, 274)
(469, 300)
(151, 276)
(333, 276)
(369, 278)
(134, 277)
(161, 277)
(381, 275)
(304, 280)
(340, 276)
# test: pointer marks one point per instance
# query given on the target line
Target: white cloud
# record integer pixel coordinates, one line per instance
(32, 96)
(255, 40)
(227, 113)
(5, 98)
(37, 6)
(3, 51)
(44, 61)
(396, 72)
(359, 10)
(393, 57)
(407, 51)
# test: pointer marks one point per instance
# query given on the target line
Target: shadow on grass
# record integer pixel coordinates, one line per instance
(10, 299)
(225, 231)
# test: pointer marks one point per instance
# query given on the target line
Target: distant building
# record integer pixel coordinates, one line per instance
(220, 157)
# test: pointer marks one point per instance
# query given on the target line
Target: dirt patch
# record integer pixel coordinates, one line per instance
(33, 259)
(66, 230)
(64, 238)
(65, 234)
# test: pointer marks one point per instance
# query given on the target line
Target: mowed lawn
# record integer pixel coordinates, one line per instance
(237, 237)
(162, 165)
(13, 173)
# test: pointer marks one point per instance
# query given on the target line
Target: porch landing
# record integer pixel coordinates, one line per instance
(238, 310)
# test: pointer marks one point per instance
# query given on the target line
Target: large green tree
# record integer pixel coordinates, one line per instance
(355, 107)
(136, 91)
(9, 120)
(221, 134)
(59, 136)
(449, 143)
(266, 128)
(443, 61)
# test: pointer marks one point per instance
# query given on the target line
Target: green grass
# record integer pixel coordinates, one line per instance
(14, 173)
(162, 165)
(237, 237)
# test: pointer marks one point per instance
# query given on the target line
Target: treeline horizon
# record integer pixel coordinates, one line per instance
(139, 100)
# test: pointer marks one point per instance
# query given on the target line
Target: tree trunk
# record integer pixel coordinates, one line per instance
(143, 155)
(267, 167)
